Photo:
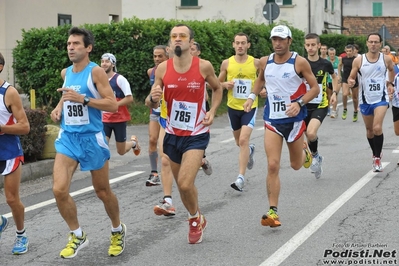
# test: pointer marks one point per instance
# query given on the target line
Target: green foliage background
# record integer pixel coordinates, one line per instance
(41, 54)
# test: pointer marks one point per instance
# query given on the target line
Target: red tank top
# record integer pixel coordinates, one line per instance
(184, 95)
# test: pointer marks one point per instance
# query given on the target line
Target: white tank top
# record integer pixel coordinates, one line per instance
(372, 81)
(284, 86)
(395, 99)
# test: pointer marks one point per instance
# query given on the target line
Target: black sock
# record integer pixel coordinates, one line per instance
(371, 143)
(313, 144)
(378, 142)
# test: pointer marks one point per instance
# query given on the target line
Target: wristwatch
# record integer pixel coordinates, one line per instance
(151, 100)
(86, 100)
(300, 102)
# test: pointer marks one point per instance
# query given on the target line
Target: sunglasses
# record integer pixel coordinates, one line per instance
(182, 36)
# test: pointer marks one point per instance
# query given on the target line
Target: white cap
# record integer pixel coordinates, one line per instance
(281, 31)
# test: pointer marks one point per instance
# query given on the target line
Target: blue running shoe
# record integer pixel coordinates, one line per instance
(21, 245)
(3, 225)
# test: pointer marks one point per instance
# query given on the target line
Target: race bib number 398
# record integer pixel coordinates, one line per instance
(75, 114)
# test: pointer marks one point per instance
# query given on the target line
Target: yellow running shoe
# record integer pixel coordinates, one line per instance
(74, 245)
(308, 160)
(270, 219)
(344, 114)
(354, 117)
(117, 242)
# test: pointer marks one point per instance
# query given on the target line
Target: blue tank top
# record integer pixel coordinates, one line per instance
(152, 76)
(77, 118)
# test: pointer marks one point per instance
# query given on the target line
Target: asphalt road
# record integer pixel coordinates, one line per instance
(349, 214)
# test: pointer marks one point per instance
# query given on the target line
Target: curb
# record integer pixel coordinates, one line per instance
(32, 171)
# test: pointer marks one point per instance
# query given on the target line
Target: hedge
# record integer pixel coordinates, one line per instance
(41, 54)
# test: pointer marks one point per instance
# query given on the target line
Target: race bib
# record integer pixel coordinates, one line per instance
(374, 88)
(75, 114)
(319, 97)
(242, 88)
(183, 115)
(278, 105)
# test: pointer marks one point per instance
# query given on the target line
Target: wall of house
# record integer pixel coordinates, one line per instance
(359, 25)
(296, 14)
(16, 15)
(365, 7)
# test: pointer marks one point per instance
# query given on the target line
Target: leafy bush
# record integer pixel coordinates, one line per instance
(340, 41)
(41, 54)
(33, 143)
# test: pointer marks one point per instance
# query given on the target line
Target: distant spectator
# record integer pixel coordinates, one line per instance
(387, 51)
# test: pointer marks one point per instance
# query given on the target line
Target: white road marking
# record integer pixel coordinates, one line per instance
(76, 193)
(291, 245)
(227, 140)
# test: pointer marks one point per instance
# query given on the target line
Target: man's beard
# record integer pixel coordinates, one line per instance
(108, 69)
(178, 51)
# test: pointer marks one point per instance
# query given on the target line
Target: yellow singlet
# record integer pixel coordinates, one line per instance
(244, 75)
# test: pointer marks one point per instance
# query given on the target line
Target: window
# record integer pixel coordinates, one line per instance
(64, 19)
(282, 2)
(189, 2)
(377, 9)
(113, 18)
(332, 6)
(325, 4)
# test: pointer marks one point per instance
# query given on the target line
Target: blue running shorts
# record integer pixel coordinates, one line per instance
(90, 149)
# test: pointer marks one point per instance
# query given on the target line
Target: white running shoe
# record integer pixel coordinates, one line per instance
(319, 171)
(238, 184)
(251, 160)
(377, 166)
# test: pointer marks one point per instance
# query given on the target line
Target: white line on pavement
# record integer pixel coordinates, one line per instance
(227, 140)
(76, 193)
(291, 245)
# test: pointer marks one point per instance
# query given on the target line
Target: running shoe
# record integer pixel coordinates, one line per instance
(354, 117)
(329, 111)
(333, 114)
(117, 242)
(238, 184)
(74, 245)
(21, 244)
(153, 180)
(270, 219)
(319, 170)
(206, 166)
(164, 209)
(315, 164)
(196, 229)
(3, 225)
(136, 149)
(308, 161)
(377, 166)
(251, 160)
(344, 114)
